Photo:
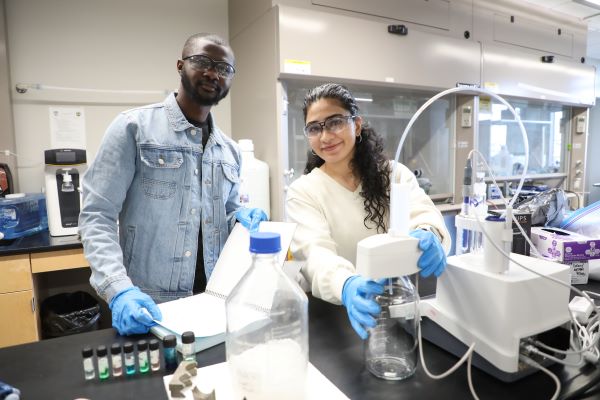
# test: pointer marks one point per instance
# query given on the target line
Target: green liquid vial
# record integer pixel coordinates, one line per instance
(143, 363)
(103, 371)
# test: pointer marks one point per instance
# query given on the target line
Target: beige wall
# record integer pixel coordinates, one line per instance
(108, 45)
(7, 138)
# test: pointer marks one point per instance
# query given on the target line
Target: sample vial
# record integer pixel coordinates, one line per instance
(169, 344)
(129, 358)
(88, 363)
(154, 355)
(116, 360)
(103, 372)
(142, 348)
(187, 346)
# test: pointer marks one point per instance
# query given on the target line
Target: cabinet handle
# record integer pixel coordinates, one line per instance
(33, 304)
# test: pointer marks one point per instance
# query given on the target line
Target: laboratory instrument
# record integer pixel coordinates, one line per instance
(63, 173)
(267, 328)
(391, 345)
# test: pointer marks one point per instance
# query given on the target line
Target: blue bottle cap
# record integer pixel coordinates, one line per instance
(495, 218)
(265, 242)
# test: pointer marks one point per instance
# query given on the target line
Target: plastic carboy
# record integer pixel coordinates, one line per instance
(391, 348)
(267, 328)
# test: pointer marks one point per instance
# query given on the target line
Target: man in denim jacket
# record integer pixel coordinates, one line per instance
(170, 177)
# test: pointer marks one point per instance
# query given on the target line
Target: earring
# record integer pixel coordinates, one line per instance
(360, 138)
(313, 152)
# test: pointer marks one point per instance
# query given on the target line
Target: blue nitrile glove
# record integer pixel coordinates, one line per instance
(130, 308)
(250, 217)
(361, 309)
(433, 259)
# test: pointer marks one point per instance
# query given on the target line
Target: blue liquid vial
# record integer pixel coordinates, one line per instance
(170, 352)
(129, 358)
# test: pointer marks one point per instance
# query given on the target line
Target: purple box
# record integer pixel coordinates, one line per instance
(564, 246)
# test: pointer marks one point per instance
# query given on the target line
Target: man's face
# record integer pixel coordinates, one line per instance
(205, 86)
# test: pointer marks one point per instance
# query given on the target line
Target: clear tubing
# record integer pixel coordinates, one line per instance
(469, 90)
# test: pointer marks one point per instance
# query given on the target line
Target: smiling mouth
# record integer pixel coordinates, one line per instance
(330, 148)
(209, 87)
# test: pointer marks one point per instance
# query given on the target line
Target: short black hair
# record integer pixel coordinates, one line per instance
(211, 37)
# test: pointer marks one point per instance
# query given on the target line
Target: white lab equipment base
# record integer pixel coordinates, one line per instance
(217, 377)
(496, 311)
(386, 256)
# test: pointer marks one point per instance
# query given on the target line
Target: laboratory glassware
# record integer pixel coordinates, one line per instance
(267, 328)
(391, 348)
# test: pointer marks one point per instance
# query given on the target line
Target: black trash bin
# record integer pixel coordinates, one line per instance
(69, 313)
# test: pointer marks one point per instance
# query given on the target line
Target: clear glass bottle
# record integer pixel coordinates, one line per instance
(267, 328)
(154, 355)
(89, 370)
(391, 348)
(116, 359)
(188, 348)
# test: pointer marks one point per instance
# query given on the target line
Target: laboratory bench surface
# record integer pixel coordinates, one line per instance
(52, 369)
(39, 242)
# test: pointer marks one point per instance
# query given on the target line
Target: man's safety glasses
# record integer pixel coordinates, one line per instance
(200, 61)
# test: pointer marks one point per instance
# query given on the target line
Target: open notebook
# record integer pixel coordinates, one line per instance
(204, 313)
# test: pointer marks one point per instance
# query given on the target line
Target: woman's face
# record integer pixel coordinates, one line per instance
(334, 145)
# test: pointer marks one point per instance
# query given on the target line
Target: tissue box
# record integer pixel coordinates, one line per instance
(564, 246)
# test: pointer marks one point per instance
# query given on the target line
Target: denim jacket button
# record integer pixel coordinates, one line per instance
(188, 253)
(193, 132)
(196, 171)
(161, 161)
(193, 211)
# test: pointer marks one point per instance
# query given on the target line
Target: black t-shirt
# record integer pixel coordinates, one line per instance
(200, 275)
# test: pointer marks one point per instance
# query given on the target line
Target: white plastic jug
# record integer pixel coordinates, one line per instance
(254, 187)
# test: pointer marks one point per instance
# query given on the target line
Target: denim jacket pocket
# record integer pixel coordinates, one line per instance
(161, 170)
(231, 178)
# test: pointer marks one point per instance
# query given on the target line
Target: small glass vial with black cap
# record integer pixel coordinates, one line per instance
(187, 346)
(170, 352)
(129, 358)
(116, 359)
(154, 355)
(142, 349)
(103, 372)
(89, 370)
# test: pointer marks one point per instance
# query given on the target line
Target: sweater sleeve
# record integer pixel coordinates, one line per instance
(422, 210)
(325, 270)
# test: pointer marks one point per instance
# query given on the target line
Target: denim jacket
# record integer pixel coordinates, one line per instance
(152, 175)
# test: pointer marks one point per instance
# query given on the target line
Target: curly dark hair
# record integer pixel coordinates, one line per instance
(369, 162)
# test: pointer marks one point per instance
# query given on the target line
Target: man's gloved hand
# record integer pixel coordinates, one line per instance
(250, 217)
(128, 314)
(433, 259)
(360, 308)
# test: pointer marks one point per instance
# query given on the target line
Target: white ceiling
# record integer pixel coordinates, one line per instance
(574, 8)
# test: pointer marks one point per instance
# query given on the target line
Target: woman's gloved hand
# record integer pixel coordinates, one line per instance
(251, 217)
(133, 311)
(361, 310)
(433, 259)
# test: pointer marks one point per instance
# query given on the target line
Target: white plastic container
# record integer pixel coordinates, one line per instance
(254, 187)
(267, 328)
